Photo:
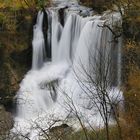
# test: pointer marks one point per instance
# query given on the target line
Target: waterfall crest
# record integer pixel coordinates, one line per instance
(81, 42)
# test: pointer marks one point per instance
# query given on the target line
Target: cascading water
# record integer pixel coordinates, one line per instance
(49, 87)
(38, 43)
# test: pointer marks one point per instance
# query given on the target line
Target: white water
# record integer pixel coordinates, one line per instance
(38, 43)
(76, 47)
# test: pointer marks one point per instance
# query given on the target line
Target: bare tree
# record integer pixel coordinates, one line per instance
(100, 79)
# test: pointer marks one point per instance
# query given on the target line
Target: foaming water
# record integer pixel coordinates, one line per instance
(54, 90)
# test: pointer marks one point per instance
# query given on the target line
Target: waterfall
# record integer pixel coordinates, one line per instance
(81, 44)
(38, 43)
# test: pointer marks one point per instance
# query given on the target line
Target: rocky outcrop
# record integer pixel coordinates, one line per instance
(15, 54)
(60, 132)
(11, 74)
(6, 123)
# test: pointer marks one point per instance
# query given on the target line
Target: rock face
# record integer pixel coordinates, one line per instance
(15, 54)
(6, 122)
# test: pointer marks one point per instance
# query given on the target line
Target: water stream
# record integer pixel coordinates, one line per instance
(79, 46)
